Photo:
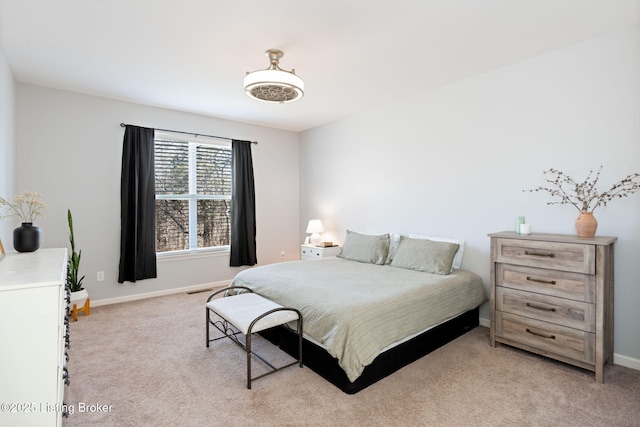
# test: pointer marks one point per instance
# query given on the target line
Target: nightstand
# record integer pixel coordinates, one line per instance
(309, 252)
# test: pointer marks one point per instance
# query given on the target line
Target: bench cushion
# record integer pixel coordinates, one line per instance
(242, 309)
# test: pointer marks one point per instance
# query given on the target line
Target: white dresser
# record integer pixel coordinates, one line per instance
(33, 334)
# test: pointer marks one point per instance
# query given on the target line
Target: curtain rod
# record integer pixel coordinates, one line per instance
(194, 134)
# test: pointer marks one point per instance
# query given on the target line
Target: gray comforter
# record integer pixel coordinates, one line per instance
(356, 310)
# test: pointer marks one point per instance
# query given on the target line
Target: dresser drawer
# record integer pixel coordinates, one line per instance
(576, 286)
(550, 255)
(560, 311)
(548, 337)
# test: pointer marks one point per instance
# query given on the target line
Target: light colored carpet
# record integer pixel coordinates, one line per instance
(146, 361)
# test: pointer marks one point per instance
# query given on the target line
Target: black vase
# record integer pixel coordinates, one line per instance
(26, 238)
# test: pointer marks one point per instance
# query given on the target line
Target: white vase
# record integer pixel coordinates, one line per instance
(79, 297)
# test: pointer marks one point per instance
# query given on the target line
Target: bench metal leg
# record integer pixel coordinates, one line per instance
(248, 345)
(249, 361)
(208, 321)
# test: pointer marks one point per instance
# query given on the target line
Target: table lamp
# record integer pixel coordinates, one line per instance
(315, 228)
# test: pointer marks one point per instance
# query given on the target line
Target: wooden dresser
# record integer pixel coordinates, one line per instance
(33, 332)
(552, 294)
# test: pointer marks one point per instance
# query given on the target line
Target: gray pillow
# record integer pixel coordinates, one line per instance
(365, 248)
(425, 255)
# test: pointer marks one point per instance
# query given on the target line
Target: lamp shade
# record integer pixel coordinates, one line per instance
(315, 226)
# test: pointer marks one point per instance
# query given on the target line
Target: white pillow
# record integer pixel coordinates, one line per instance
(457, 260)
(394, 241)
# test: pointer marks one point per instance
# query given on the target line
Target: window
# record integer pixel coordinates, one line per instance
(193, 193)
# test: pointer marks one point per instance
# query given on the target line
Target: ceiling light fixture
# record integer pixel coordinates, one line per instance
(274, 84)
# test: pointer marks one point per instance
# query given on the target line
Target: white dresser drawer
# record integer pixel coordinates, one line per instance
(308, 252)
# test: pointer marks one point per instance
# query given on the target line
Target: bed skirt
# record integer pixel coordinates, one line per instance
(318, 360)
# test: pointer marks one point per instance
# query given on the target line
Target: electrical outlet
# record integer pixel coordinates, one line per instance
(100, 276)
(282, 255)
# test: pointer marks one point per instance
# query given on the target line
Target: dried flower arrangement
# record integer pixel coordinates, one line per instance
(27, 206)
(583, 195)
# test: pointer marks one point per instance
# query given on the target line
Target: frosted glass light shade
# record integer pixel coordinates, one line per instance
(273, 86)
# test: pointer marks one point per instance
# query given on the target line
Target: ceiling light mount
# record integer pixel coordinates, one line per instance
(274, 84)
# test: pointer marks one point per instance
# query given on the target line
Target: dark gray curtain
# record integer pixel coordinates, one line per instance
(243, 206)
(138, 206)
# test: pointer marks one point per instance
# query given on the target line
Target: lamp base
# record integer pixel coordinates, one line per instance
(315, 239)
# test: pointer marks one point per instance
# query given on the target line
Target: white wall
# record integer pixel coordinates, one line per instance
(453, 162)
(6, 145)
(69, 148)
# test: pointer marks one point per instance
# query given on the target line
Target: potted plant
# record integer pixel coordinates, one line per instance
(79, 296)
(585, 197)
(27, 206)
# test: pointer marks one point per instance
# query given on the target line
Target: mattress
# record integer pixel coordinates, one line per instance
(357, 310)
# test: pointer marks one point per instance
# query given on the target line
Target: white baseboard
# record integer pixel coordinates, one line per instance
(618, 359)
(626, 361)
(485, 322)
(136, 297)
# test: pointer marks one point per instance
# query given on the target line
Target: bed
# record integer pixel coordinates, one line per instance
(365, 313)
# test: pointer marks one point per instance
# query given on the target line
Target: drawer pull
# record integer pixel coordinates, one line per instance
(553, 337)
(539, 254)
(548, 282)
(539, 307)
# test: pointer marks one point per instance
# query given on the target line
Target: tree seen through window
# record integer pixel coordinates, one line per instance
(193, 195)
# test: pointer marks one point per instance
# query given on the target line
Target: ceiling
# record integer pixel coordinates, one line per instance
(191, 55)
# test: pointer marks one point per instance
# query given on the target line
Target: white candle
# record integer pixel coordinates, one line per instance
(525, 228)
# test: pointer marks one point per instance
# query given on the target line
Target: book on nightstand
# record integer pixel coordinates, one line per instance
(327, 244)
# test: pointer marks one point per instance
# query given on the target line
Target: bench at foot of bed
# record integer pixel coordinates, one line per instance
(247, 313)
